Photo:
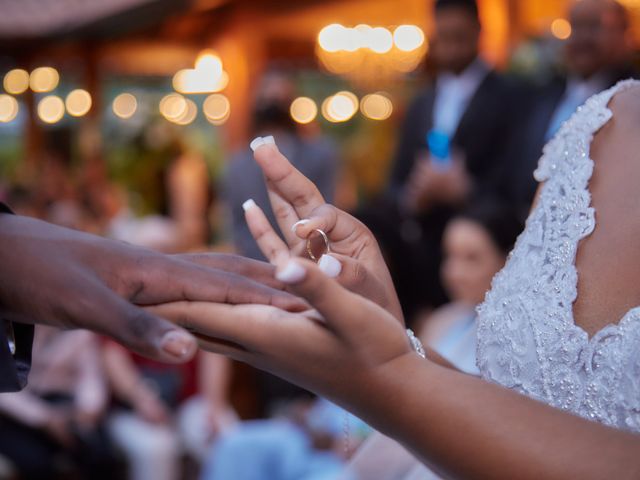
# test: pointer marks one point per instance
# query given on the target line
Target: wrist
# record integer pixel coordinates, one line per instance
(387, 391)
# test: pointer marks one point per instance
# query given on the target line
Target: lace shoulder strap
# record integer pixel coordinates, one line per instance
(586, 121)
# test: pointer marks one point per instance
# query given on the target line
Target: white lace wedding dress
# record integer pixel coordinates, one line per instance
(527, 338)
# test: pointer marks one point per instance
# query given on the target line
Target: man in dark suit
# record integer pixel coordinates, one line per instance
(449, 151)
(597, 56)
(69, 279)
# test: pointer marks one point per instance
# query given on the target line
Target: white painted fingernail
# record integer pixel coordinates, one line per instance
(256, 142)
(248, 204)
(299, 223)
(269, 140)
(292, 272)
(330, 266)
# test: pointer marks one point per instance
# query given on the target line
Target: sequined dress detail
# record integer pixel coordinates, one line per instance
(527, 338)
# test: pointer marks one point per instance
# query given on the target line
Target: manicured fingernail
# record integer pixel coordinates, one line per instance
(292, 272)
(269, 140)
(256, 142)
(248, 204)
(178, 344)
(330, 266)
(298, 223)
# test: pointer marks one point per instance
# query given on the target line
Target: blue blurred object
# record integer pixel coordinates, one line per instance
(439, 145)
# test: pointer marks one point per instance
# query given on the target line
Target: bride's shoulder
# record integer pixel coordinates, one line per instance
(621, 133)
(626, 99)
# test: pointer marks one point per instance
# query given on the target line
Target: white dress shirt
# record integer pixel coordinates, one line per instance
(453, 94)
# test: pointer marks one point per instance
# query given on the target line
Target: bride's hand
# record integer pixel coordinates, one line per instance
(342, 350)
(355, 259)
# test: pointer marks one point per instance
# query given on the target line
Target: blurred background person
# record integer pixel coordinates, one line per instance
(315, 156)
(476, 243)
(166, 416)
(596, 56)
(466, 114)
(175, 185)
(55, 427)
(312, 443)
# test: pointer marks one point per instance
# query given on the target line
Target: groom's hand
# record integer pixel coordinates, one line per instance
(70, 279)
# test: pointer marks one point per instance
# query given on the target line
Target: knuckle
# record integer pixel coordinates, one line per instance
(360, 274)
(281, 211)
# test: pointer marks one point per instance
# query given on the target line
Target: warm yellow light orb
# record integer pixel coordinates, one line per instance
(303, 110)
(173, 106)
(216, 107)
(379, 40)
(332, 37)
(51, 109)
(189, 115)
(408, 37)
(340, 107)
(561, 28)
(78, 102)
(209, 62)
(124, 106)
(8, 108)
(16, 81)
(376, 106)
(44, 79)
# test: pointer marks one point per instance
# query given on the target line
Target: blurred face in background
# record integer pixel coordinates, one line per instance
(455, 44)
(598, 37)
(471, 259)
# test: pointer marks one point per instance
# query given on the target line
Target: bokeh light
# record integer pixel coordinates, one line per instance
(303, 110)
(44, 79)
(189, 115)
(376, 106)
(16, 81)
(216, 108)
(8, 108)
(208, 76)
(340, 107)
(78, 102)
(209, 62)
(173, 106)
(125, 105)
(561, 28)
(332, 37)
(51, 109)
(379, 40)
(408, 37)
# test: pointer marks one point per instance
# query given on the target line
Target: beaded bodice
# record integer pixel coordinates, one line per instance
(527, 338)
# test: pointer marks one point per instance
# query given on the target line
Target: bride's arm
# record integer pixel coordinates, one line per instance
(359, 357)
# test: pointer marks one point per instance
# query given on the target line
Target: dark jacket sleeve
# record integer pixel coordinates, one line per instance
(411, 139)
(14, 366)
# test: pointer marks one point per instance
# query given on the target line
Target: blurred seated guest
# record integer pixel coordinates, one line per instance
(166, 411)
(475, 244)
(596, 56)
(54, 427)
(449, 150)
(307, 445)
(316, 157)
(175, 188)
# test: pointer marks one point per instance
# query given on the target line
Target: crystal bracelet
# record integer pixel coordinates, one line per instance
(416, 344)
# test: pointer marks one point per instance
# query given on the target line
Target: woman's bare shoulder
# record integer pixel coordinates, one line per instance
(626, 103)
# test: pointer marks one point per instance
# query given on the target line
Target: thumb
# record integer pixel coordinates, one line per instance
(356, 277)
(135, 328)
(341, 309)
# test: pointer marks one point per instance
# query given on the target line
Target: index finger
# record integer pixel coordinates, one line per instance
(287, 181)
(165, 279)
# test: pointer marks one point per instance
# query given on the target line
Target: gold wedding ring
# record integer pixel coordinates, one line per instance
(325, 239)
